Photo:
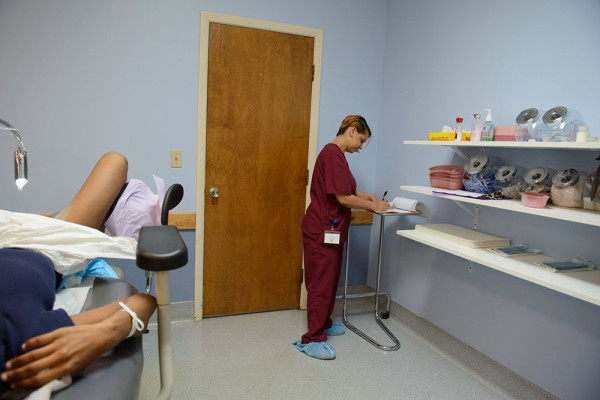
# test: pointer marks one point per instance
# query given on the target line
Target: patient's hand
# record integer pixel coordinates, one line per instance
(65, 351)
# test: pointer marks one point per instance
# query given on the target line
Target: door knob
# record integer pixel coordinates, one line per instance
(214, 192)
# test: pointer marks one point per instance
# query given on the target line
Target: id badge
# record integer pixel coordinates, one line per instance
(331, 237)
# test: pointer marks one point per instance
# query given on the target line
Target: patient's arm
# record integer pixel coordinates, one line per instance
(67, 351)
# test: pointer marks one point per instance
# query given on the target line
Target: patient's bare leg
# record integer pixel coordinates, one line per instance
(91, 204)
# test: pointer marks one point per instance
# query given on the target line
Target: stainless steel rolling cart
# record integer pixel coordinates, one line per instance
(345, 296)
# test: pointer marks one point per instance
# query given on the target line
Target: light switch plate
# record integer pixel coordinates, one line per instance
(175, 158)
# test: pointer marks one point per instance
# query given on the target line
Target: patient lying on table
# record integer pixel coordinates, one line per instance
(27, 289)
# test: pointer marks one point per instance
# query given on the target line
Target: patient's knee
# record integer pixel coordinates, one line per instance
(118, 160)
(116, 164)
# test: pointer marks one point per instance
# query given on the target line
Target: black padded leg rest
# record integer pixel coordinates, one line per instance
(161, 248)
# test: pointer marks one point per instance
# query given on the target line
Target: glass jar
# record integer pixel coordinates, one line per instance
(567, 188)
(538, 180)
(528, 125)
(588, 202)
(560, 125)
(509, 180)
(480, 173)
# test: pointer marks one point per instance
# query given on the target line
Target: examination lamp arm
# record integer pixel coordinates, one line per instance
(15, 134)
(20, 156)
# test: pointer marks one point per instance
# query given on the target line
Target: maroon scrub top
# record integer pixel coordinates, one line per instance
(331, 176)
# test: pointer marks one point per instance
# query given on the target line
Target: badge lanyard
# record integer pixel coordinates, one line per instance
(332, 236)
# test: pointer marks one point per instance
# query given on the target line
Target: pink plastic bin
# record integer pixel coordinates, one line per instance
(446, 177)
(534, 200)
(451, 170)
(446, 184)
(504, 133)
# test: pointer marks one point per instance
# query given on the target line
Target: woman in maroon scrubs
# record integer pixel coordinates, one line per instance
(325, 229)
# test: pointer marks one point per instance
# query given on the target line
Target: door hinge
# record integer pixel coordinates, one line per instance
(313, 73)
(307, 174)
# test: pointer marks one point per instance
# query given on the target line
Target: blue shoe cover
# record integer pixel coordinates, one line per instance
(320, 350)
(337, 328)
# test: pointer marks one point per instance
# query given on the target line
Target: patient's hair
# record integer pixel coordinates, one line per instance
(356, 121)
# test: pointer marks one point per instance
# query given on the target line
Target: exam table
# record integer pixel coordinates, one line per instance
(117, 374)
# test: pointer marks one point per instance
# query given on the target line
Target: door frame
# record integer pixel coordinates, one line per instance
(205, 19)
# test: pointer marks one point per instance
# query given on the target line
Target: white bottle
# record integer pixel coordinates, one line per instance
(487, 131)
(476, 128)
(583, 134)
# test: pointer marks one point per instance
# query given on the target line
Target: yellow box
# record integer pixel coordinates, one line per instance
(443, 136)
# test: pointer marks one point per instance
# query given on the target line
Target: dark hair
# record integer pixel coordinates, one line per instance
(356, 121)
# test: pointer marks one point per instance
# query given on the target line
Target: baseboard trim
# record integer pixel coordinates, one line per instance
(476, 364)
(182, 311)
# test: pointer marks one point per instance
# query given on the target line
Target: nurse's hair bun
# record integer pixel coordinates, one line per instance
(356, 121)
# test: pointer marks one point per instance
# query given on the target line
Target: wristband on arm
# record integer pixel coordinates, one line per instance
(136, 323)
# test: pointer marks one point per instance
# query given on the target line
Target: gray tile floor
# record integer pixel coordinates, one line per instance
(252, 357)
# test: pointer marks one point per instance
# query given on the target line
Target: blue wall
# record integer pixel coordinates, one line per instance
(79, 78)
(449, 59)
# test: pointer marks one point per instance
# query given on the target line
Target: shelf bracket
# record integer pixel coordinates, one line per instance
(460, 153)
(476, 217)
(474, 214)
(463, 207)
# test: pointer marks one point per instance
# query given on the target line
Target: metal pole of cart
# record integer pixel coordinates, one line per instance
(385, 315)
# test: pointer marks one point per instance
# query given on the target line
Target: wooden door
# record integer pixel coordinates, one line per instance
(257, 132)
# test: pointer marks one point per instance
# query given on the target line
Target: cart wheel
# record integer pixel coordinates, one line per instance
(385, 315)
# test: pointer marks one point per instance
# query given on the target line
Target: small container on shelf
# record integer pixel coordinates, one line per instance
(534, 200)
(567, 188)
(476, 126)
(440, 136)
(446, 177)
(509, 180)
(480, 173)
(458, 130)
(590, 203)
(504, 133)
(538, 180)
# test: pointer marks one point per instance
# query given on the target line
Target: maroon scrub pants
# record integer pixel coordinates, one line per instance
(322, 268)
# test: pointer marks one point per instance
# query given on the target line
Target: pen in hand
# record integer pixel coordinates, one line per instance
(384, 194)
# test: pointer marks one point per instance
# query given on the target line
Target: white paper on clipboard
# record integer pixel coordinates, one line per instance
(402, 203)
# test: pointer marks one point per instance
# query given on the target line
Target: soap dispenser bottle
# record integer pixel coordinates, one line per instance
(487, 132)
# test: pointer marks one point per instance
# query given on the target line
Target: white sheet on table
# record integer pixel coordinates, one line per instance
(45, 391)
(69, 246)
(73, 298)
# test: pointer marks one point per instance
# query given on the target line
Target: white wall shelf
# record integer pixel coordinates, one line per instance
(591, 146)
(584, 285)
(577, 215)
